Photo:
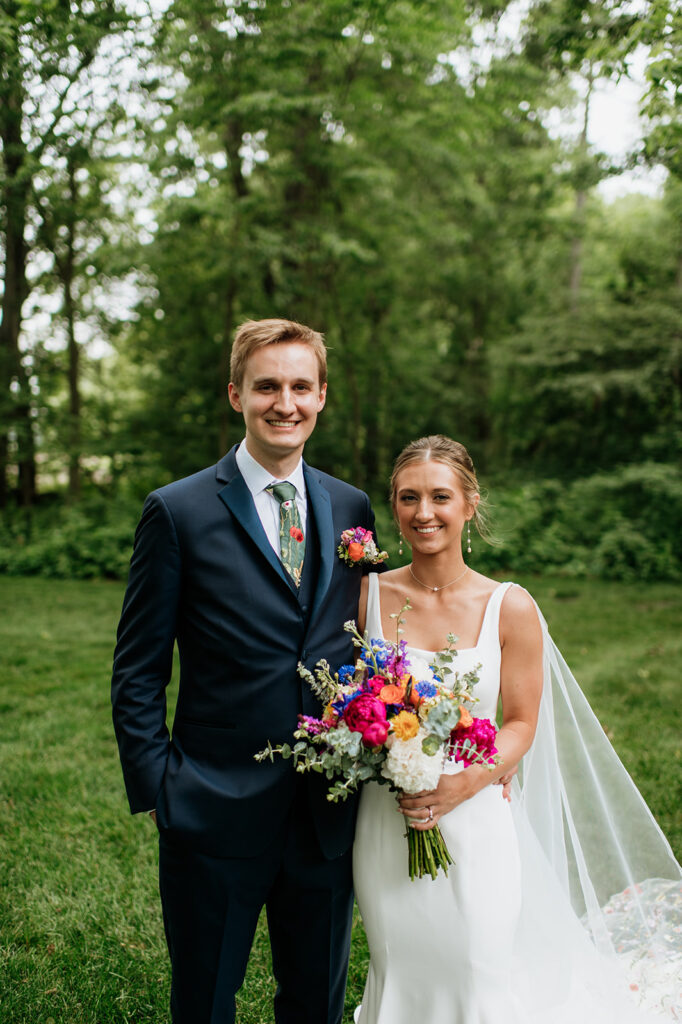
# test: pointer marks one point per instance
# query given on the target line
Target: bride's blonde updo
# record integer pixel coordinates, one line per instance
(438, 448)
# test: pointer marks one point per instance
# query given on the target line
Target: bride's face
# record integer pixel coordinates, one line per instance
(430, 506)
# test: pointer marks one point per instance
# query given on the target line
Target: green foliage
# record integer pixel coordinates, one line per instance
(661, 30)
(84, 541)
(577, 390)
(361, 167)
(623, 525)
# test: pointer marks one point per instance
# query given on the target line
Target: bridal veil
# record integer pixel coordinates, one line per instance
(588, 839)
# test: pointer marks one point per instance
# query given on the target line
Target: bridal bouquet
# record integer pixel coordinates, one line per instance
(390, 719)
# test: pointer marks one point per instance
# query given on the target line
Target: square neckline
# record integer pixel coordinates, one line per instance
(423, 650)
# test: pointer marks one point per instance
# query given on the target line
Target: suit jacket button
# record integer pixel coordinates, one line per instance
(304, 655)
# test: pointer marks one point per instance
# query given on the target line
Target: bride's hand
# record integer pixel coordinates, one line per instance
(505, 781)
(423, 810)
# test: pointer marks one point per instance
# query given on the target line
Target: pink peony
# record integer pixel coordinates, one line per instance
(375, 734)
(376, 684)
(363, 712)
(481, 732)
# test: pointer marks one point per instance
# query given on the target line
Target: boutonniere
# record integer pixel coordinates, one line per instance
(357, 547)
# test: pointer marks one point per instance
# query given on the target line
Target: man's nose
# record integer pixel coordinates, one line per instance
(285, 401)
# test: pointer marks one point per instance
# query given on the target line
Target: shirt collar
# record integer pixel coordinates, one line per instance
(257, 478)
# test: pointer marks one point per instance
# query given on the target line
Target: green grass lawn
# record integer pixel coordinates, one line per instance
(80, 925)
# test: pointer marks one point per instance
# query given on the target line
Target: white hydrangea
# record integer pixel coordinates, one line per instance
(409, 768)
(420, 669)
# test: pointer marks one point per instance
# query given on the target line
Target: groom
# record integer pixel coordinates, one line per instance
(238, 564)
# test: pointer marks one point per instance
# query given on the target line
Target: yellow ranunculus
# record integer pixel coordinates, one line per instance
(405, 725)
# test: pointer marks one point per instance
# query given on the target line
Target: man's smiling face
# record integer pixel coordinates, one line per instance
(279, 398)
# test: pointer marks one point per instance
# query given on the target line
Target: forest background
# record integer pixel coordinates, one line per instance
(383, 171)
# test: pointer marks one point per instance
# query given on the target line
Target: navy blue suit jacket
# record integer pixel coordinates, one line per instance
(204, 574)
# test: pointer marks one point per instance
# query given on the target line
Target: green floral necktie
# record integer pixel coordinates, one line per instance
(291, 539)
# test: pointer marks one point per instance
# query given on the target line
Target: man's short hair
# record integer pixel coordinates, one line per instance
(254, 334)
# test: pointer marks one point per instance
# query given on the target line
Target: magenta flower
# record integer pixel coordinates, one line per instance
(376, 734)
(481, 733)
(313, 726)
(364, 712)
(376, 684)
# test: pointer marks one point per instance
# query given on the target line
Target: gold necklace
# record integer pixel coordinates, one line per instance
(436, 589)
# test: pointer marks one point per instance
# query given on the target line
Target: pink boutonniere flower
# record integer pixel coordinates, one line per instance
(357, 547)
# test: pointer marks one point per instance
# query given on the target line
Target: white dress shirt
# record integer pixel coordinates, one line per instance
(257, 479)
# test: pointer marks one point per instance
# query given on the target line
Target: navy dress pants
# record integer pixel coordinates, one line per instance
(211, 907)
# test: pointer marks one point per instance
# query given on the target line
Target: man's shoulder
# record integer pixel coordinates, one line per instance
(187, 486)
(337, 486)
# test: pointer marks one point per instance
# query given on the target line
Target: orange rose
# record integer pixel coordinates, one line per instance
(355, 551)
(465, 719)
(391, 694)
(405, 725)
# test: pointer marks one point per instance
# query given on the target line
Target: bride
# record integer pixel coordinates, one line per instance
(563, 904)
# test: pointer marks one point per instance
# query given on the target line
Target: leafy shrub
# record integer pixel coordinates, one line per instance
(92, 539)
(623, 525)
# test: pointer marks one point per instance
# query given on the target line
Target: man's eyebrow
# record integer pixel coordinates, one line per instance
(275, 380)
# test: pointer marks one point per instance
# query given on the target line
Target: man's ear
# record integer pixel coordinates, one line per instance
(233, 396)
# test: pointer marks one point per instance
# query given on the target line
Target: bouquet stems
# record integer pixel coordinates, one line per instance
(427, 852)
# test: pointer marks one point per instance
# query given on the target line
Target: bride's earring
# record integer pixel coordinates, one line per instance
(468, 536)
(400, 542)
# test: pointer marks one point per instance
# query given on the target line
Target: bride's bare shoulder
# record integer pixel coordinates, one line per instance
(518, 611)
(392, 581)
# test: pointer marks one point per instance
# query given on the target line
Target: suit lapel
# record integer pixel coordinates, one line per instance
(237, 497)
(319, 499)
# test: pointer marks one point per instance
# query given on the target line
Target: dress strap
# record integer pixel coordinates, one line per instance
(374, 607)
(490, 627)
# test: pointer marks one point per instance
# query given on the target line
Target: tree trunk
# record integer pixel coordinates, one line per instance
(580, 200)
(224, 371)
(67, 274)
(17, 426)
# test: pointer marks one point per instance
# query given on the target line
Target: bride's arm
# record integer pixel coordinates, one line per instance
(521, 689)
(362, 605)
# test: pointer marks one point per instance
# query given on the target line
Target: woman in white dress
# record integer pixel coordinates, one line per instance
(531, 925)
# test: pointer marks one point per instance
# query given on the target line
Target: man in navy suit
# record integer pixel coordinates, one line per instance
(249, 583)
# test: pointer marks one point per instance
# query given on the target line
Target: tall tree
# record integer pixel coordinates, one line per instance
(45, 49)
(581, 42)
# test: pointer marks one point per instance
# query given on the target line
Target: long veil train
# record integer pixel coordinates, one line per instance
(588, 838)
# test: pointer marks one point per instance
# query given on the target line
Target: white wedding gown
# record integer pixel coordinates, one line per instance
(497, 940)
